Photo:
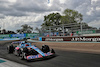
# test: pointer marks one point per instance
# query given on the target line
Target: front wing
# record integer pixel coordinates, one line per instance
(30, 57)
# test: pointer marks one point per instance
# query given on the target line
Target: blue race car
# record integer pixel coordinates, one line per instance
(27, 51)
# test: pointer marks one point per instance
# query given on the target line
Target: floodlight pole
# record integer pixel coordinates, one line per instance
(49, 30)
(0, 29)
(63, 30)
(3, 26)
(81, 30)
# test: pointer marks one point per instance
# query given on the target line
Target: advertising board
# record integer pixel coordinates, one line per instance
(32, 34)
(21, 36)
(76, 38)
(4, 36)
(86, 32)
(18, 35)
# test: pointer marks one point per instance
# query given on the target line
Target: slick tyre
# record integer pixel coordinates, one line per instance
(52, 51)
(22, 57)
(25, 50)
(10, 49)
(45, 48)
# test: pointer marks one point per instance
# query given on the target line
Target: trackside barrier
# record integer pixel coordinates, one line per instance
(18, 36)
(40, 38)
(74, 38)
(10, 39)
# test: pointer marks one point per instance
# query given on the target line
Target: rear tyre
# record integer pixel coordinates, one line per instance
(10, 49)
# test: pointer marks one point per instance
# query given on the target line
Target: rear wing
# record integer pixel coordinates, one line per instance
(18, 42)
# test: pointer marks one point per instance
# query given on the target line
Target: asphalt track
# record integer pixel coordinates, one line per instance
(63, 59)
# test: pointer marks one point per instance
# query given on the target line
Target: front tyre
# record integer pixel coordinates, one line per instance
(23, 56)
(45, 48)
(52, 51)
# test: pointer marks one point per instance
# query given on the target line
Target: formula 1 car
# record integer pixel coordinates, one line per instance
(27, 51)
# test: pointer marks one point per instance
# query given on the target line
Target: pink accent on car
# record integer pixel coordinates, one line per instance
(35, 47)
(45, 54)
(17, 48)
(39, 55)
(27, 57)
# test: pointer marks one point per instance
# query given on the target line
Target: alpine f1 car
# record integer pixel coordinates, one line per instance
(27, 51)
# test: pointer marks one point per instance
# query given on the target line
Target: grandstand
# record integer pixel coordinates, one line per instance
(77, 29)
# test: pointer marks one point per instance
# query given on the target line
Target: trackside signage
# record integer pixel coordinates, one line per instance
(54, 39)
(85, 39)
(18, 35)
(86, 32)
(4, 36)
(55, 33)
(76, 38)
(31, 35)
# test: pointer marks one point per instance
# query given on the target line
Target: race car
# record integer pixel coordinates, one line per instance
(27, 51)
